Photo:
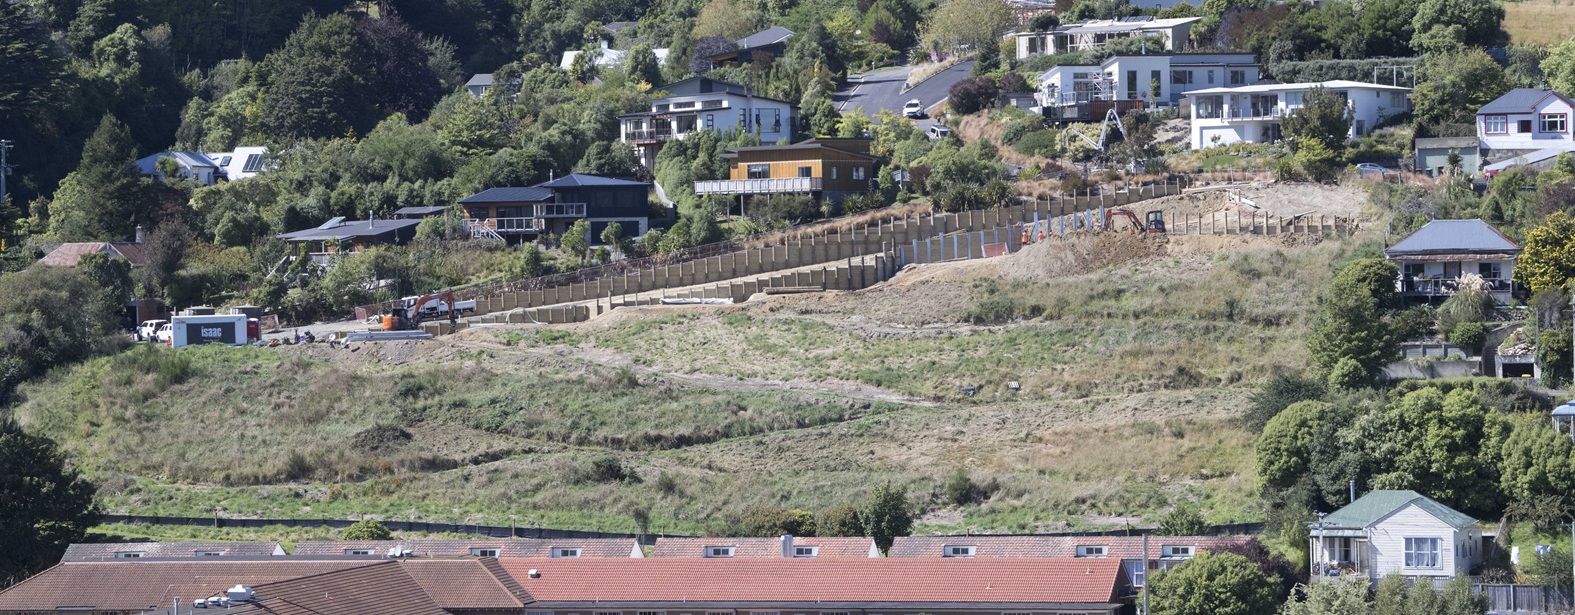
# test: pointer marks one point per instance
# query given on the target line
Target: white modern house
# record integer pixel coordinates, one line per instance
(1252, 114)
(1394, 532)
(1432, 259)
(1096, 33)
(240, 164)
(1136, 77)
(1527, 126)
(699, 104)
(607, 57)
(194, 166)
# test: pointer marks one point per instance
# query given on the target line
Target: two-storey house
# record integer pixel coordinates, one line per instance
(1394, 532)
(1170, 34)
(821, 167)
(703, 103)
(1432, 259)
(1083, 91)
(1529, 124)
(517, 214)
(1252, 114)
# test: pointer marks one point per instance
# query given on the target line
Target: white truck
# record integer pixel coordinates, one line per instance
(228, 329)
(437, 305)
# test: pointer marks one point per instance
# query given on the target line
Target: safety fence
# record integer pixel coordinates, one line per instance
(493, 531)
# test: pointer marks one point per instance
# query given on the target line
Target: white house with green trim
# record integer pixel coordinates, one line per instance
(1395, 532)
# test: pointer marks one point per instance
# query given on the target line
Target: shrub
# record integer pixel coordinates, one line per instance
(1469, 336)
(1415, 321)
(367, 529)
(776, 521)
(606, 469)
(972, 95)
(1216, 583)
(1044, 143)
(1348, 374)
(961, 490)
(1183, 520)
(1278, 394)
(840, 521)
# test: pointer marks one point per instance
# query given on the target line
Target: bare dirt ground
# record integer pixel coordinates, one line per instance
(1281, 200)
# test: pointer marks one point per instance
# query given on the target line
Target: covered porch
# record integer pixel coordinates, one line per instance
(1339, 553)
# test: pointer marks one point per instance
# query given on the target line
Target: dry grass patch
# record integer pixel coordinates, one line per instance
(1545, 22)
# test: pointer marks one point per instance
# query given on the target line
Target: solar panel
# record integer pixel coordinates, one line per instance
(333, 223)
(1137, 19)
(253, 163)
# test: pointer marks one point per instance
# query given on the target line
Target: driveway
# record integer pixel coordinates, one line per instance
(883, 89)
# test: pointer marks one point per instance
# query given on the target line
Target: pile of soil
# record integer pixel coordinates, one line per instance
(1079, 254)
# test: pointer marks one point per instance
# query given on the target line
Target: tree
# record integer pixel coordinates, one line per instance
(969, 96)
(1385, 26)
(1213, 584)
(1479, 21)
(1534, 460)
(887, 516)
(106, 197)
(1331, 597)
(840, 521)
(1458, 84)
(1560, 67)
(1469, 336)
(164, 250)
(608, 158)
(575, 240)
(1278, 394)
(729, 19)
(1390, 598)
(1323, 117)
(1285, 448)
(367, 529)
(641, 66)
(1183, 520)
(970, 24)
(50, 316)
(1441, 445)
(1548, 259)
(44, 504)
(822, 116)
(32, 66)
(316, 84)
(1350, 321)
(612, 235)
(402, 79)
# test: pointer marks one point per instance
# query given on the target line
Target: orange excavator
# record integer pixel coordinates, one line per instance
(409, 314)
(1155, 224)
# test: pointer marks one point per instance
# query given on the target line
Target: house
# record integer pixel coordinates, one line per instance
(338, 236)
(511, 214)
(559, 586)
(1252, 114)
(768, 43)
(240, 164)
(703, 103)
(1395, 532)
(105, 551)
(1526, 122)
(768, 548)
(1175, 35)
(194, 166)
(1432, 259)
(606, 57)
(821, 167)
(69, 254)
(1156, 79)
(1163, 551)
(1432, 155)
(479, 84)
(523, 214)
(601, 548)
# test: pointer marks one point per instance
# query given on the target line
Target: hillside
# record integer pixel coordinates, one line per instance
(1133, 358)
(1543, 22)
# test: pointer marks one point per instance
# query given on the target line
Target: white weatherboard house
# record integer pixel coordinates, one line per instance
(1432, 259)
(194, 166)
(1395, 532)
(702, 103)
(1528, 124)
(1252, 114)
(1133, 77)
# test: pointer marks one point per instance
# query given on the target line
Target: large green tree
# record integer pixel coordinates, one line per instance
(1324, 117)
(316, 84)
(1457, 85)
(106, 197)
(31, 64)
(1285, 448)
(1479, 22)
(1559, 67)
(1443, 445)
(44, 504)
(1548, 259)
(1351, 318)
(887, 515)
(1213, 584)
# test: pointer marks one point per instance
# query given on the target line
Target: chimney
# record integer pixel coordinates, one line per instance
(139, 236)
(787, 545)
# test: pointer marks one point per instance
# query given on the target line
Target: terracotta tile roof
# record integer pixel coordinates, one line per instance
(96, 552)
(825, 547)
(462, 584)
(516, 547)
(881, 580)
(131, 585)
(986, 547)
(384, 588)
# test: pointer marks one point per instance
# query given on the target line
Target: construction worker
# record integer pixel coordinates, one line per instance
(1025, 234)
(1041, 233)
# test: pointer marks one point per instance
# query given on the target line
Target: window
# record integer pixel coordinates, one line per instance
(253, 163)
(609, 613)
(1132, 84)
(1211, 76)
(1177, 551)
(957, 551)
(1397, 99)
(833, 172)
(1421, 553)
(1180, 77)
(566, 552)
(1523, 126)
(1555, 122)
(1495, 124)
(1415, 270)
(1490, 271)
(538, 612)
(806, 551)
(1091, 551)
(759, 171)
(805, 172)
(718, 551)
(1343, 551)
(484, 552)
(710, 120)
(128, 555)
(1136, 572)
(711, 104)
(858, 173)
(207, 553)
(648, 613)
(358, 551)
(1238, 77)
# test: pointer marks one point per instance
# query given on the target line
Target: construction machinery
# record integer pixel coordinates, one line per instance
(1155, 221)
(412, 310)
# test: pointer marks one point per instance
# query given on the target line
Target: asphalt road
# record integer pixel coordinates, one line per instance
(883, 89)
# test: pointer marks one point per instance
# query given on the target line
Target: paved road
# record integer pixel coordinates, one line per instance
(883, 89)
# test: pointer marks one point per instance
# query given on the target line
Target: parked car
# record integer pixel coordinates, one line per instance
(148, 329)
(164, 333)
(914, 108)
(939, 131)
(1368, 168)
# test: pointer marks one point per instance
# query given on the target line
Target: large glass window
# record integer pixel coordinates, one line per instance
(1135, 571)
(1180, 77)
(1421, 553)
(1495, 124)
(759, 171)
(1555, 122)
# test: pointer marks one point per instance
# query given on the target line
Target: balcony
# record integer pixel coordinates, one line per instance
(780, 185)
(1254, 112)
(506, 225)
(647, 135)
(560, 210)
(1443, 287)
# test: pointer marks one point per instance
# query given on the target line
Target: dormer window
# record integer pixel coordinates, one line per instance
(565, 552)
(1091, 551)
(358, 551)
(482, 552)
(718, 551)
(128, 554)
(1177, 551)
(207, 553)
(806, 551)
(957, 551)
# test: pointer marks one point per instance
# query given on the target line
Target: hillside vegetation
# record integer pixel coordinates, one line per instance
(1131, 379)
